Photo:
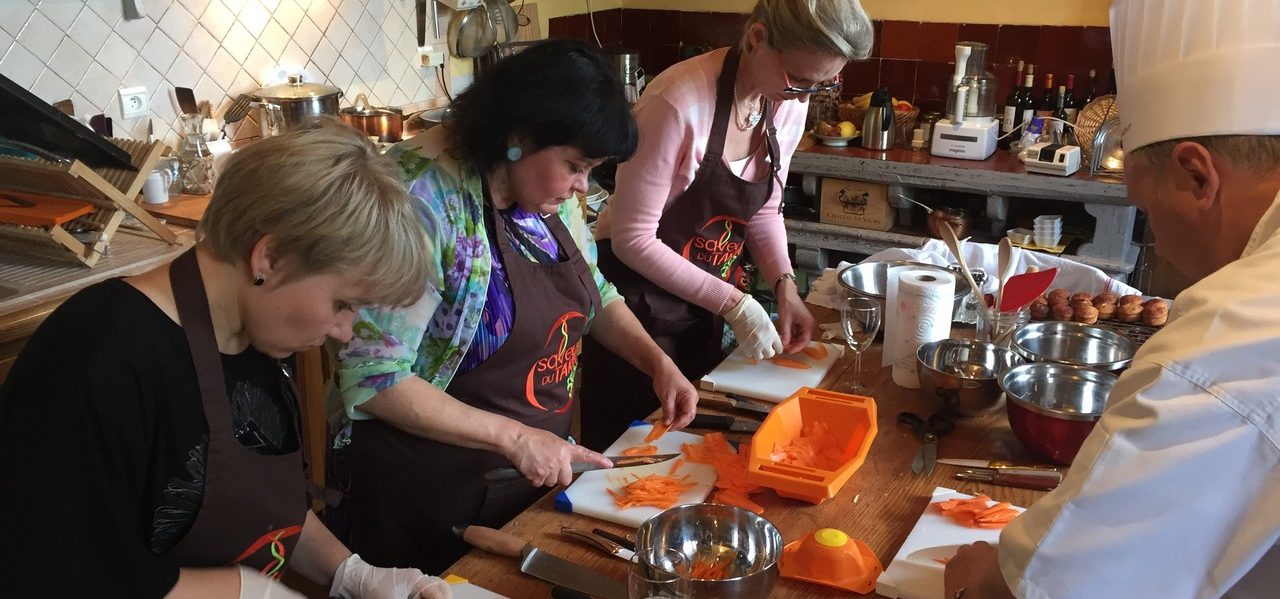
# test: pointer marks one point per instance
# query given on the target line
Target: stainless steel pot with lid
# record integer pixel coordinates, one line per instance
(289, 105)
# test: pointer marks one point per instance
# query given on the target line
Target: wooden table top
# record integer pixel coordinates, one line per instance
(879, 505)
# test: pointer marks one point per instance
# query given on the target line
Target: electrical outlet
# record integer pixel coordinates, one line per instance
(134, 103)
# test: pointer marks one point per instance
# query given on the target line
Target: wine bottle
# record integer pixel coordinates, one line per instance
(1047, 101)
(1027, 104)
(1060, 113)
(1092, 91)
(1012, 115)
(1069, 100)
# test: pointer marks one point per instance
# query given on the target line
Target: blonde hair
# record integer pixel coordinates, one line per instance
(835, 27)
(332, 203)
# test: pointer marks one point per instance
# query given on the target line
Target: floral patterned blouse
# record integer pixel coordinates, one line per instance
(431, 338)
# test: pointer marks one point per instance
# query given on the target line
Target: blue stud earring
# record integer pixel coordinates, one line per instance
(514, 153)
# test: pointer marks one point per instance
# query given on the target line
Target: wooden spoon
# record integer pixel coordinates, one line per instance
(953, 244)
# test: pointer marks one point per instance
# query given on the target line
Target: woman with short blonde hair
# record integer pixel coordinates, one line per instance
(150, 436)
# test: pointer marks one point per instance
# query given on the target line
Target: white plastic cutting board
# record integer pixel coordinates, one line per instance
(914, 572)
(766, 380)
(589, 496)
(465, 590)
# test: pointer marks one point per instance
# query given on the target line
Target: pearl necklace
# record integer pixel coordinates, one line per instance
(751, 120)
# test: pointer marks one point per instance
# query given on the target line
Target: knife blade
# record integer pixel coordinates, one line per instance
(548, 567)
(604, 544)
(723, 423)
(1009, 467)
(720, 398)
(619, 461)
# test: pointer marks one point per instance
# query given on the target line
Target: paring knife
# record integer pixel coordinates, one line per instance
(724, 423)
(719, 399)
(619, 461)
(1007, 479)
(600, 542)
(1006, 467)
(553, 569)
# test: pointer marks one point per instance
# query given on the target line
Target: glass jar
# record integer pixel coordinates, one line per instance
(195, 161)
(997, 327)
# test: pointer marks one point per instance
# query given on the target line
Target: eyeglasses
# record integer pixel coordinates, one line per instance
(822, 86)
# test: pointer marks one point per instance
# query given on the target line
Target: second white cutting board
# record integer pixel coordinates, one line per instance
(589, 495)
(763, 379)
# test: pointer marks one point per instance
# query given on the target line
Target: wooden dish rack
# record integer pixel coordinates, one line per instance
(39, 199)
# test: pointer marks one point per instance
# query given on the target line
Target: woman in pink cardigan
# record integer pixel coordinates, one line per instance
(704, 187)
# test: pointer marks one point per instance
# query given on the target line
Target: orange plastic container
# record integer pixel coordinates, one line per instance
(830, 557)
(850, 420)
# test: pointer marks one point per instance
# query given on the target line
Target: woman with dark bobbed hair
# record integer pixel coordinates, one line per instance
(482, 372)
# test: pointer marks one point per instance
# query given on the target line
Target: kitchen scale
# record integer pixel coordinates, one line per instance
(970, 129)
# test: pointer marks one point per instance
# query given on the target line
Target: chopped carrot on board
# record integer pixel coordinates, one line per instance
(653, 490)
(789, 363)
(676, 466)
(641, 450)
(816, 352)
(737, 499)
(975, 512)
(659, 429)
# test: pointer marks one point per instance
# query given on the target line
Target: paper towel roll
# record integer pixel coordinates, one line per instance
(919, 304)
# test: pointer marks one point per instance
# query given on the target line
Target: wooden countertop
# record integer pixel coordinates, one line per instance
(1001, 174)
(879, 505)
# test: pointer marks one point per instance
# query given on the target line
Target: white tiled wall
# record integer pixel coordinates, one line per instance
(86, 50)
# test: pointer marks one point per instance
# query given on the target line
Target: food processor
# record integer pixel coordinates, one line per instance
(970, 129)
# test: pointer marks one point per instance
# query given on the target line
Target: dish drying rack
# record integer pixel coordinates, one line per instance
(41, 199)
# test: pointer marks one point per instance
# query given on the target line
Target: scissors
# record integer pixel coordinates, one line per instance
(929, 431)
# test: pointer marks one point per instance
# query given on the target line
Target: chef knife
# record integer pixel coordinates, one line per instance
(1007, 467)
(604, 544)
(553, 569)
(619, 461)
(724, 423)
(1006, 479)
(718, 399)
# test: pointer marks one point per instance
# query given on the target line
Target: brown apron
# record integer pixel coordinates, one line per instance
(407, 492)
(707, 226)
(253, 505)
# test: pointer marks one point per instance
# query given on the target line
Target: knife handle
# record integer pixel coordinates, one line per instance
(622, 540)
(502, 475)
(1039, 483)
(494, 541)
(559, 592)
(712, 422)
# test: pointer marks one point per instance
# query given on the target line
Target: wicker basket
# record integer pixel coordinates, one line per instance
(905, 121)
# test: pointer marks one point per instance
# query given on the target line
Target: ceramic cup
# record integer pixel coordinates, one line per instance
(155, 190)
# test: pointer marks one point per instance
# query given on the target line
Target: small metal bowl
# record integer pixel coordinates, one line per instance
(963, 374)
(1053, 407)
(706, 531)
(1073, 343)
(869, 280)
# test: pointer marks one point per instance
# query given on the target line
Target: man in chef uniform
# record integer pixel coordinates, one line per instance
(1176, 493)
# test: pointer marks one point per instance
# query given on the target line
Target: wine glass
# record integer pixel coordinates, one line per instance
(860, 318)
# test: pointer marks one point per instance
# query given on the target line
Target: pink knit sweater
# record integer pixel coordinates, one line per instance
(674, 115)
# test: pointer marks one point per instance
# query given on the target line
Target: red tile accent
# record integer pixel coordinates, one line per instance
(987, 34)
(665, 26)
(877, 27)
(579, 28)
(938, 41)
(1095, 48)
(860, 77)
(637, 26)
(901, 39)
(899, 76)
(558, 27)
(660, 57)
(1060, 45)
(1018, 42)
(932, 80)
(609, 26)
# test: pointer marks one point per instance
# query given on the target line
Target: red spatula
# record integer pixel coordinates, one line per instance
(1021, 289)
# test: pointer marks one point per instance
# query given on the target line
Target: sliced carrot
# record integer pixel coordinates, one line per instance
(816, 352)
(731, 466)
(659, 429)
(653, 490)
(675, 467)
(975, 512)
(789, 363)
(641, 450)
(816, 447)
(714, 568)
(942, 561)
(736, 499)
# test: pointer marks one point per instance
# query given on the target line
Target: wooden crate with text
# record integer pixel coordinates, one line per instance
(855, 204)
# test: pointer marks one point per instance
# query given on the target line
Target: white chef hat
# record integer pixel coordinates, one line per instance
(1189, 68)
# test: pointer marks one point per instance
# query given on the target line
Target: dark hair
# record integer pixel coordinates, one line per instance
(554, 93)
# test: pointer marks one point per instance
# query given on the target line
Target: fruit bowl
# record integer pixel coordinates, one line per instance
(835, 141)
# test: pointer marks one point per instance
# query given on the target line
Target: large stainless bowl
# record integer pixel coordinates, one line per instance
(963, 374)
(706, 531)
(1073, 343)
(1053, 407)
(868, 280)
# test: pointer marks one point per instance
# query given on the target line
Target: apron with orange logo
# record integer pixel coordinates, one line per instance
(253, 505)
(706, 224)
(407, 492)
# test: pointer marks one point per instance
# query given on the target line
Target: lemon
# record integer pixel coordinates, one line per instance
(847, 129)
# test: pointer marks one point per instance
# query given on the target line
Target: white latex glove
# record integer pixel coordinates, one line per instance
(755, 332)
(256, 586)
(356, 579)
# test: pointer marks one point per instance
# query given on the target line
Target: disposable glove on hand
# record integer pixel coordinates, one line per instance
(356, 579)
(753, 328)
(256, 586)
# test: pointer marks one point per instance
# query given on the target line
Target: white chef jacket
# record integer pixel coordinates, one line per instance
(1176, 493)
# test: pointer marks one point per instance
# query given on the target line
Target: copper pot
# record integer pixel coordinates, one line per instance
(385, 123)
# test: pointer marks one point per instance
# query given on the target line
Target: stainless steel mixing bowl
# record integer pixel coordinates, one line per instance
(707, 531)
(868, 280)
(963, 374)
(1073, 343)
(1053, 407)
